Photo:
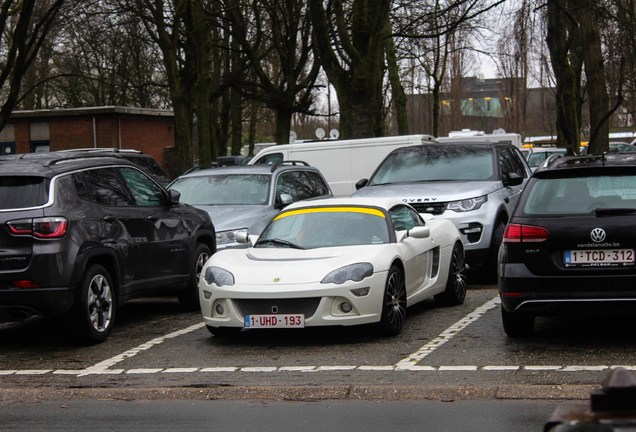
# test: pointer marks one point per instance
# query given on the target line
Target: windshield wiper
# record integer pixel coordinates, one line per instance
(280, 242)
(614, 212)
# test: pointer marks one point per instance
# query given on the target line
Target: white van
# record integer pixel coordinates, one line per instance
(342, 162)
(498, 136)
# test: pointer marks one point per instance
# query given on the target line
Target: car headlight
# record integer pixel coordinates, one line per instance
(354, 272)
(466, 205)
(218, 276)
(226, 237)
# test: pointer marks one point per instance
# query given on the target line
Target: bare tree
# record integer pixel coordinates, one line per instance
(24, 26)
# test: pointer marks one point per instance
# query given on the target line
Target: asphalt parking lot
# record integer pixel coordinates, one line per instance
(457, 352)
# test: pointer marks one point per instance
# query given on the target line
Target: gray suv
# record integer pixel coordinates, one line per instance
(83, 233)
(475, 185)
(245, 198)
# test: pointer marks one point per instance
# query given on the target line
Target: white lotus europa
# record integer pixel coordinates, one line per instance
(334, 262)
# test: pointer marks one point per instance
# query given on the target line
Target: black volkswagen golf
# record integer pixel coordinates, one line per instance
(569, 246)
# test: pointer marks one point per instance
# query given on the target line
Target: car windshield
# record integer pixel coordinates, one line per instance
(235, 189)
(326, 227)
(536, 159)
(450, 162)
(574, 195)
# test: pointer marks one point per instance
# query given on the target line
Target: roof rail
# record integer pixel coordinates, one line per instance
(70, 156)
(288, 162)
(101, 150)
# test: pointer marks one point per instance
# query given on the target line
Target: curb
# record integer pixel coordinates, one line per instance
(302, 393)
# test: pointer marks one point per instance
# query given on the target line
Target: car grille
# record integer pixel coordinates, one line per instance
(435, 208)
(305, 306)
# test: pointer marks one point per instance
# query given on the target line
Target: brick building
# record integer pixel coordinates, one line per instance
(148, 130)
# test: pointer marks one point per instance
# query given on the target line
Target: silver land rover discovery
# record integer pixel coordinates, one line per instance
(475, 185)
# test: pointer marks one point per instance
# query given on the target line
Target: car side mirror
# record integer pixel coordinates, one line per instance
(513, 179)
(174, 197)
(242, 237)
(361, 183)
(283, 200)
(419, 232)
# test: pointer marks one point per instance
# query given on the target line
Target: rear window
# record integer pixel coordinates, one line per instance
(437, 163)
(23, 192)
(579, 195)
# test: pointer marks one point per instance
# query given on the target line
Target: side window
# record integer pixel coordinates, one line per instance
(319, 185)
(144, 190)
(303, 185)
(269, 159)
(104, 186)
(504, 162)
(285, 185)
(517, 164)
(402, 218)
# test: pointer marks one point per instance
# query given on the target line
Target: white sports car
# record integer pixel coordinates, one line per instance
(342, 261)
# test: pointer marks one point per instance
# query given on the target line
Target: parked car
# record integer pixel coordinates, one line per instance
(474, 185)
(83, 233)
(570, 244)
(246, 198)
(339, 261)
(614, 148)
(538, 155)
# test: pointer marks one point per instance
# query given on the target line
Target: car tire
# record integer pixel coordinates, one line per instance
(393, 303)
(94, 309)
(189, 297)
(457, 282)
(224, 331)
(489, 270)
(517, 324)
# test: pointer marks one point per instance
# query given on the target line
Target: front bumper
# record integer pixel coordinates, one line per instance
(475, 228)
(320, 302)
(522, 291)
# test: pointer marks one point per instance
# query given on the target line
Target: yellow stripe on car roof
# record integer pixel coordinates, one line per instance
(332, 209)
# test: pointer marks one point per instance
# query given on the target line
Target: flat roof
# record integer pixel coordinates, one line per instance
(63, 112)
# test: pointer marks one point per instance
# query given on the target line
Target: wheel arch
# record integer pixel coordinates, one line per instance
(105, 258)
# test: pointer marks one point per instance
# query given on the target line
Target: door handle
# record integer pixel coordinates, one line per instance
(152, 218)
(109, 218)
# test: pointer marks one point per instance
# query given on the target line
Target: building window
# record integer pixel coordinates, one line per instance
(40, 146)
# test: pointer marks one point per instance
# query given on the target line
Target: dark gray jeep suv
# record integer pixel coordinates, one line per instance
(83, 233)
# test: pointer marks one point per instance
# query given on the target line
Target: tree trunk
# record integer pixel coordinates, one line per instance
(399, 96)
(567, 91)
(596, 80)
(202, 45)
(359, 88)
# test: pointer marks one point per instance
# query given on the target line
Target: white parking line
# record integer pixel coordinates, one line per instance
(102, 367)
(412, 360)
(286, 369)
(408, 364)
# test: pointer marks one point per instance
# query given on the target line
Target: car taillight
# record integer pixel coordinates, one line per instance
(49, 227)
(518, 233)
